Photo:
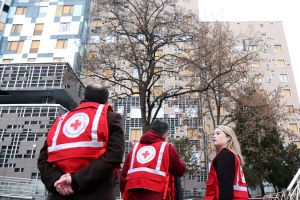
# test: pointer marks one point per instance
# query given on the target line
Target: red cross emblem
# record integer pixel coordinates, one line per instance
(76, 124)
(145, 154)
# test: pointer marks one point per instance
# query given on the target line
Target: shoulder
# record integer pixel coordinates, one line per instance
(111, 116)
(225, 155)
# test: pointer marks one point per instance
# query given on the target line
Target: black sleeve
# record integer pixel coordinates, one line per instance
(224, 165)
(100, 168)
(49, 173)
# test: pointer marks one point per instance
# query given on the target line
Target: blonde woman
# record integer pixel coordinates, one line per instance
(226, 179)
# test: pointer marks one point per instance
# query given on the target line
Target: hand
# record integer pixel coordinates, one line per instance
(63, 185)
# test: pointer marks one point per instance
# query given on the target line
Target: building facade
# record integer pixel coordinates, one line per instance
(274, 69)
(32, 96)
(44, 31)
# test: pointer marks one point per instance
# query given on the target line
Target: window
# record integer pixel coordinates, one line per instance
(293, 127)
(157, 90)
(16, 29)
(135, 89)
(283, 78)
(263, 35)
(277, 48)
(253, 48)
(34, 46)
(187, 19)
(255, 63)
(222, 110)
(159, 53)
(61, 44)
(280, 63)
(135, 72)
(15, 46)
(207, 128)
(64, 10)
(31, 60)
(58, 59)
(67, 10)
(38, 29)
(42, 11)
(192, 133)
(2, 26)
(108, 73)
(96, 23)
(286, 93)
(135, 134)
(289, 109)
(63, 27)
(21, 11)
(7, 60)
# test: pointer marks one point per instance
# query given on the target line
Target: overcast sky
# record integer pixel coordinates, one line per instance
(286, 11)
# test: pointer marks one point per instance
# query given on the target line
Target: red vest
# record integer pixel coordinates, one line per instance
(149, 167)
(239, 184)
(78, 137)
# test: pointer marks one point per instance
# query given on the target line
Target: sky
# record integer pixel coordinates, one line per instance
(286, 11)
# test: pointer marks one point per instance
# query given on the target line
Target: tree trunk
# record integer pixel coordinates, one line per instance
(262, 188)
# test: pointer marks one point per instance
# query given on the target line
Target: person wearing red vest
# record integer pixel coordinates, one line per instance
(82, 149)
(226, 179)
(151, 166)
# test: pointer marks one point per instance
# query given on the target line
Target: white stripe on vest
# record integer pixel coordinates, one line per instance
(146, 169)
(93, 143)
(240, 188)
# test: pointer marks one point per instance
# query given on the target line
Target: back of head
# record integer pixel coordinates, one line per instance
(159, 127)
(96, 93)
(233, 144)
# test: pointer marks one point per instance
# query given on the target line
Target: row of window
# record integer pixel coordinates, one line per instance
(18, 45)
(278, 63)
(60, 10)
(16, 29)
(32, 60)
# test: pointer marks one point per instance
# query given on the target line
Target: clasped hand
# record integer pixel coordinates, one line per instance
(63, 185)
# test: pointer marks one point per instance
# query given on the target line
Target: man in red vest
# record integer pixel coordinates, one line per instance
(82, 149)
(151, 166)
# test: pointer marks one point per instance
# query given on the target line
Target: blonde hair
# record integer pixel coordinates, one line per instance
(233, 143)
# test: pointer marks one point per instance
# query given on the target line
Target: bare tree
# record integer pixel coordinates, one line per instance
(224, 54)
(143, 47)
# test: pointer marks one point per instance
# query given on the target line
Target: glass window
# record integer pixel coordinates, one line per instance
(283, 78)
(96, 23)
(286, 93)
(16, 29)
(31, 60)
(277, 48)
(61, 44)
(42, 11)
(38, 29)
(135, 134)
(293, 127)
(15, 46)
(289, 109)
(7, 60)
(34, 46)
(21, 11)
(157, 90)
(192, 133)
(280, 63)
(67, 10)
(255, 63)
(64, 27)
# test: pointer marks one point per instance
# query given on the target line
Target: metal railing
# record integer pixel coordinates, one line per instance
(20, 188)
(291, 193)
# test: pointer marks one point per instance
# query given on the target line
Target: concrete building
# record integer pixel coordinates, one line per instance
(275, 68)
(42, 45)
(32, 96)
(44, 31)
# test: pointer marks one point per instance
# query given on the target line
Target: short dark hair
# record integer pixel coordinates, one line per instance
(159, 127)
(96, 93)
